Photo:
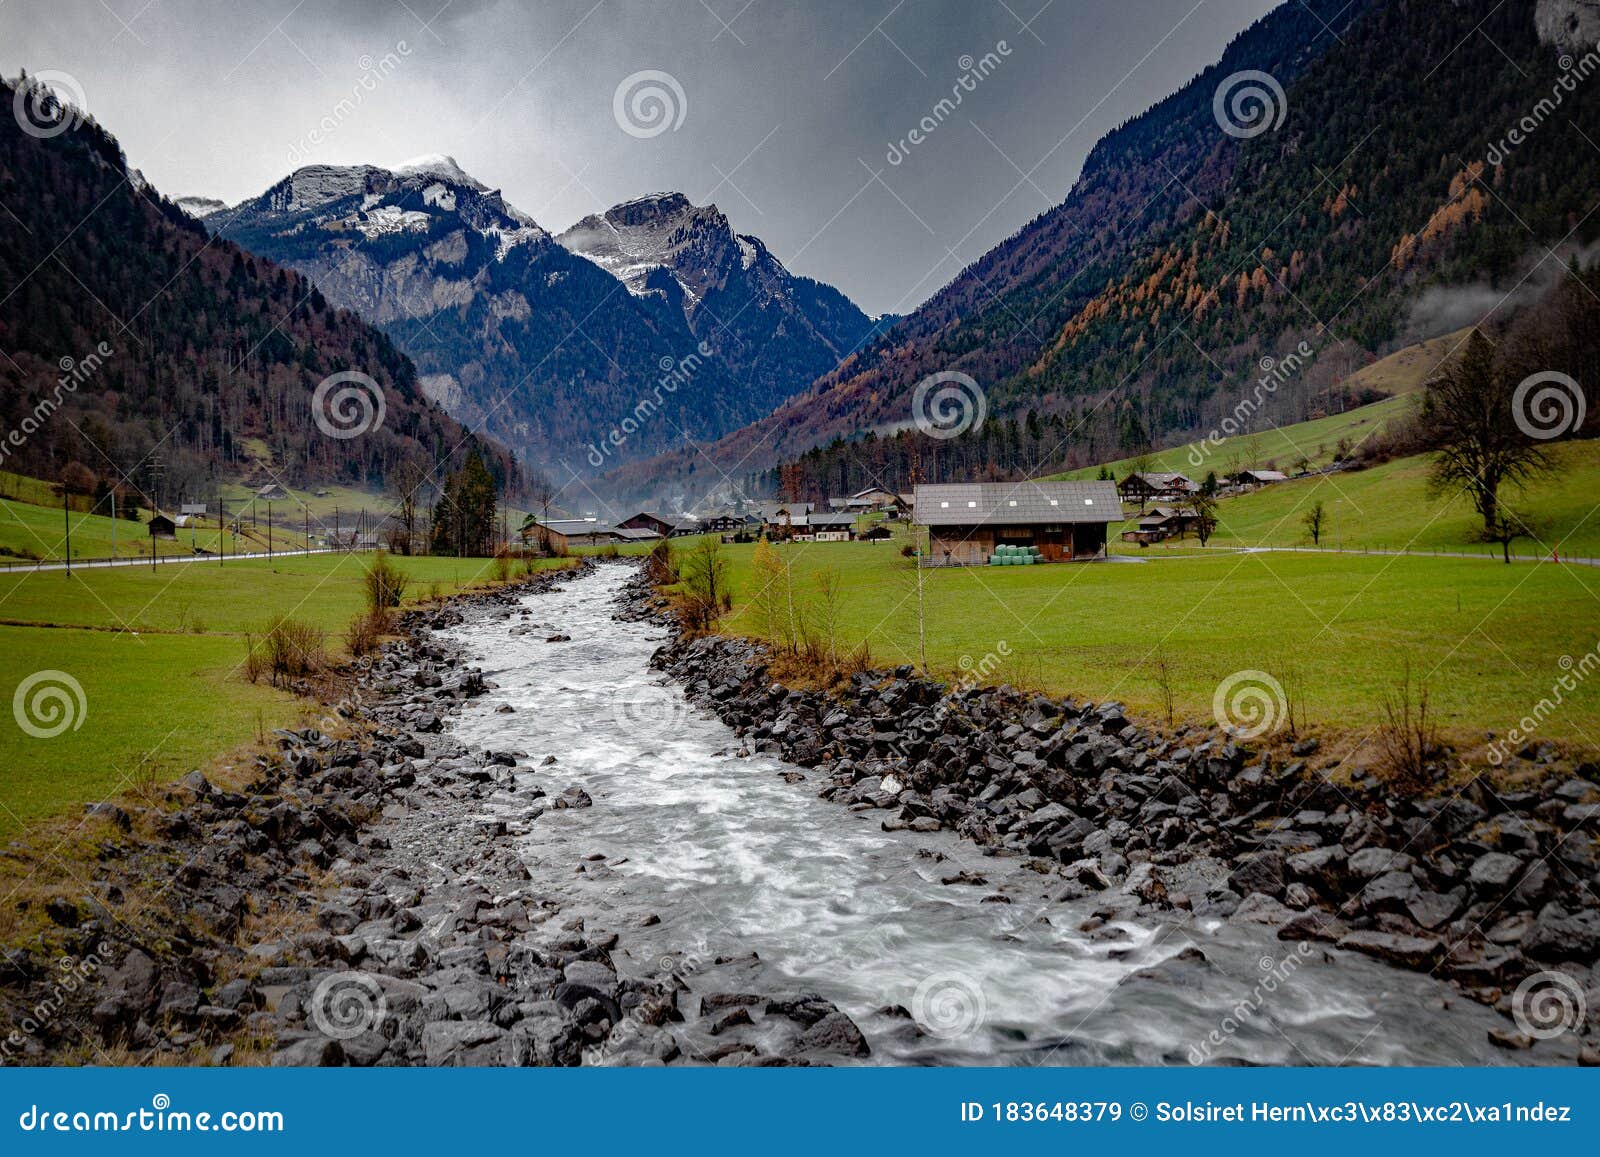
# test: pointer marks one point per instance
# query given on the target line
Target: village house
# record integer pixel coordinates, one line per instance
(1150, 486)
(838, 527)
(565, 533)
(1161, 523)
(967, 521)
(728, 523)
(782, 519)
(648, 520)
(868, 501)
(1259, 477)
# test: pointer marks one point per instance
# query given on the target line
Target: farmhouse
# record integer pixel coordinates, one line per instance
(1161, 523)
(828, 527)
(1258, 477)
(966, 521)
(563, 533)
(785, 518)
(873, 498)
(1145, 486)
(649, 520)
(727, 523)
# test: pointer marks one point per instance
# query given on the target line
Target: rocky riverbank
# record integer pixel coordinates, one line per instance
(365, 903)
(330, 913)
(1494, 890)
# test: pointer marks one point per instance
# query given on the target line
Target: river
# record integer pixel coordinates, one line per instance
(734, 858)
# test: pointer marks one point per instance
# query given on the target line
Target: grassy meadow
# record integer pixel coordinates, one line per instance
(1487, 640)
(158, 655)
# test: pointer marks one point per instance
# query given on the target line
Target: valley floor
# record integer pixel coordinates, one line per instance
(1336, 631)
(153, 661)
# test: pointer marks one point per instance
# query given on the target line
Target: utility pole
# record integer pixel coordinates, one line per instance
(66, 518)
(113, 520)
(269, 528)
(922, 621)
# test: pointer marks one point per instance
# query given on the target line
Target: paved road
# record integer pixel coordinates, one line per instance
(1202, 552)
(161, 560)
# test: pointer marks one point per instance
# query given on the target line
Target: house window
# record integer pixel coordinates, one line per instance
(972, 505)
(1088, 502)
(945, 505)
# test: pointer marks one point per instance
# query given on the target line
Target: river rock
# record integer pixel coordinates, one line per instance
(1558, 934)
(835, 1033)
(1406, 951)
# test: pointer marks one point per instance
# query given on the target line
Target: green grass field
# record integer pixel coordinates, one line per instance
(152, 707)
(41, 532)
(158, 653)
(1391, 507)
(1317, 441)
(1486, 639)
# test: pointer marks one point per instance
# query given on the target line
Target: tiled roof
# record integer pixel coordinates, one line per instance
(1022, 503)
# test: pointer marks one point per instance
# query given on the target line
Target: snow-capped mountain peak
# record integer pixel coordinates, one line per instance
(440, 165)
(695, 244)
(200, 207)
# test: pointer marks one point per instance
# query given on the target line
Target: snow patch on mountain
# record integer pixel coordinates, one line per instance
(440, 165)
(389, 219)
(441, 195)
(200, 207)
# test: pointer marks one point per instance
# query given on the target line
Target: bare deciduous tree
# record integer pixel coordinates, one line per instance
(1468, 413)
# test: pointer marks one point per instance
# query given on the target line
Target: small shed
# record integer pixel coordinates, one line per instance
(162, 527)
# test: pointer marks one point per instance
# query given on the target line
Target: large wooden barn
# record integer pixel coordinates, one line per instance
(966, 521)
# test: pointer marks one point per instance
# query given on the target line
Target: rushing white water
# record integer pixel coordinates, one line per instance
(734, 859)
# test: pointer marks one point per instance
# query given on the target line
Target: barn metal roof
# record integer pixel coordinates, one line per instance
(981, 503)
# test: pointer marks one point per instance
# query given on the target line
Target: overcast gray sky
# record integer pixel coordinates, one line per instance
(788, 109)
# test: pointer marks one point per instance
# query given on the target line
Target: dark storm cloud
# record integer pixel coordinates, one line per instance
(876, 145)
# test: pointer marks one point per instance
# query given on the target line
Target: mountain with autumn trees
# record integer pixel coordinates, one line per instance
(1188, 258)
